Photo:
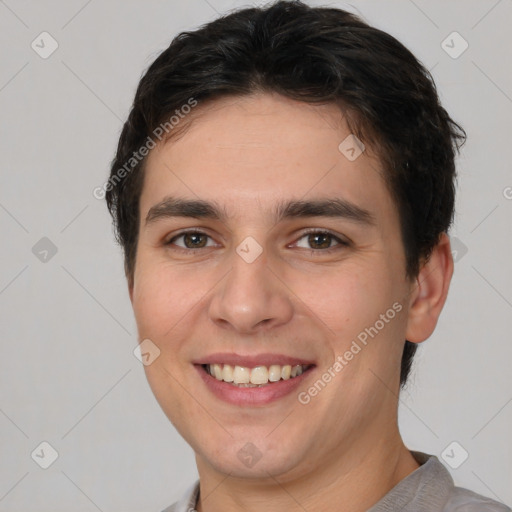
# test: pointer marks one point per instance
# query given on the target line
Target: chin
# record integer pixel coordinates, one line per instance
(244, 459)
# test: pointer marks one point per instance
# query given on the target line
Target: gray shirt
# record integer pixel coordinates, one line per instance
(430, 488)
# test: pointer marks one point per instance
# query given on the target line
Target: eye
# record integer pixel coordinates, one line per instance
(321, 241)
(191, 239)
(316, 240)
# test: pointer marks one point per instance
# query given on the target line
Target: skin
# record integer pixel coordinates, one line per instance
(344, 446)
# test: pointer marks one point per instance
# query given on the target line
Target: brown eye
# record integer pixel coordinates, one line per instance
(321, 241)
(191, 240)
(195, 240)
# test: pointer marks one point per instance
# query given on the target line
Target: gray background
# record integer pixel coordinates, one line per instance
(68, 374)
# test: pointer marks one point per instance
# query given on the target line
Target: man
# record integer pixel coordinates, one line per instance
(282, 190)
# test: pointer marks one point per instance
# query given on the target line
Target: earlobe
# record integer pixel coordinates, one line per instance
(428, 294)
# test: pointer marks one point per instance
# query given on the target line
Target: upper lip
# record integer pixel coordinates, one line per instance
(251, 361)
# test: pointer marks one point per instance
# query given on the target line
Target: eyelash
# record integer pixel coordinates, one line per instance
(341, 243)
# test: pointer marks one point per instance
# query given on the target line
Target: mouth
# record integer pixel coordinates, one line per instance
(258, 376)
(252, 381)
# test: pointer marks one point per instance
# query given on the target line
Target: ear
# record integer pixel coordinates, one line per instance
(429, 292)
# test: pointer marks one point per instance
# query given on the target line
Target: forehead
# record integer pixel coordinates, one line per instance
(251, 150)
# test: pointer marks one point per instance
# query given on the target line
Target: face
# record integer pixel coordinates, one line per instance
(296, 261)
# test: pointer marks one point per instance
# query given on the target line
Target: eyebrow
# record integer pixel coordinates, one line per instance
(171, 207)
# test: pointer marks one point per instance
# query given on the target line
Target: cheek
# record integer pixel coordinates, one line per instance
(343, 299)
(158, 300)
(168, 298)
(359, 310)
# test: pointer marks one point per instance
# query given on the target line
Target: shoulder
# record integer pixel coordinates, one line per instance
(464, 500)
(431, 488)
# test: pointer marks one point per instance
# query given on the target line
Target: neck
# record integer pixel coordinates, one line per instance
(356, 480)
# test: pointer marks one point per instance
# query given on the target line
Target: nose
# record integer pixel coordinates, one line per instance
(252, 297)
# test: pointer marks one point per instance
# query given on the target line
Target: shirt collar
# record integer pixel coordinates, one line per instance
(426, 489)
(189, 500)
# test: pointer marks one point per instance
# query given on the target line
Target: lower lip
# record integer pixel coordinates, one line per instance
(251, 396)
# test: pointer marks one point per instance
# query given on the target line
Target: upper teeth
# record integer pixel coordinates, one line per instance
(258, 375)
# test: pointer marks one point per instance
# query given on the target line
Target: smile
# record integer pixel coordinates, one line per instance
(255, 384)
(242, 376)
